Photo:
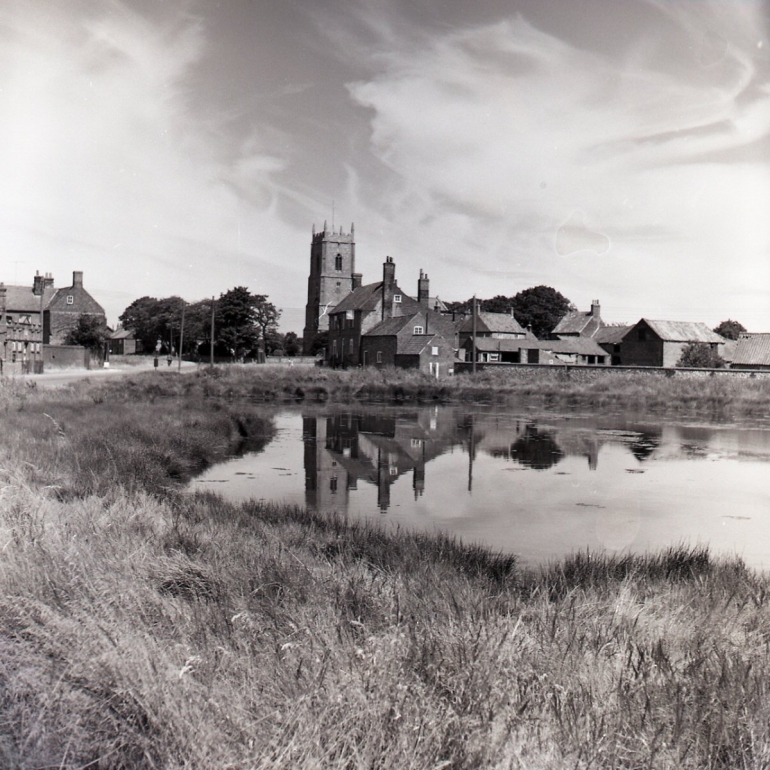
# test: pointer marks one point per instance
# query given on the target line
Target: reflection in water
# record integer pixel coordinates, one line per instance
(536, 449)
(342, 449)
(645, 444)
(517, 482)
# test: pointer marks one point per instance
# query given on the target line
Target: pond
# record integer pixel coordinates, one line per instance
(537, 485)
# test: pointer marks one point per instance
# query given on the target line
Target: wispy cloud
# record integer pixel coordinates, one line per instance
(100, 145)
(494, 135)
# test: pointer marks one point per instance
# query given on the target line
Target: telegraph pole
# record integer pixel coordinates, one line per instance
(211, 349)
(181, 338)
(473, 350)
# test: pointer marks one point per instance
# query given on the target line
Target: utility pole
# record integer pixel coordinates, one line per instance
(211, 349)
(181, 337)
(473, 336)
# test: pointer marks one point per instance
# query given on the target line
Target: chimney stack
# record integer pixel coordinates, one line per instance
(37, 284)
(77, 279)
(595, 309)
(423, 290)
(388, 273)
(357, 280)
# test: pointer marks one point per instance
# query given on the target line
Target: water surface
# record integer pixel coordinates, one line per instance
(540, 486)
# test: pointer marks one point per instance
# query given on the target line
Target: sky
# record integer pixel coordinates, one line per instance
(615, 151)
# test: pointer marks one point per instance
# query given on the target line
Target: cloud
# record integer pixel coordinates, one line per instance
(494, 135)
(108, 167)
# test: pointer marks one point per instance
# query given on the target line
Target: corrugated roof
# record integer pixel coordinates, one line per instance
(752, 350)
(683, 331)
(585, 346)
(611, 335)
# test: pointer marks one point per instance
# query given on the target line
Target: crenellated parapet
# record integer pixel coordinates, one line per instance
(337, 237)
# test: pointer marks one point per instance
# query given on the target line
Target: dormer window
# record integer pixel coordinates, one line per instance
(397, 298)
(417, 330)
(70, 299)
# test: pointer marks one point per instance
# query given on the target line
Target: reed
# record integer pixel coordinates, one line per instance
(148, 628)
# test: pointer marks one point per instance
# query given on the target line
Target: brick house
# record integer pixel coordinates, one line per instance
(578, 323)
(409, 342)
(40, 313)
(361, 310)
(498, 326)
(660, 343)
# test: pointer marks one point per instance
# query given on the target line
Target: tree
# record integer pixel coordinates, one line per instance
(540, 308)
(154, 319)
(266, 316)
(700, 355)
(292, 344)
(730, 329)
(90, 332)
(236, 327)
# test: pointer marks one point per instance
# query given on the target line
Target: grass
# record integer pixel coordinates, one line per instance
(718, 397)
(147, 628)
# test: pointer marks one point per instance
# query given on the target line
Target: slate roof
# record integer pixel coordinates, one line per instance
(752, 350)
(583, 345)
(362, 298)
(414, 345)
(390, 326)
(21, 298)
(683, 331)
(122, 334)
(611, 335)
(493, 322)
(573, 323)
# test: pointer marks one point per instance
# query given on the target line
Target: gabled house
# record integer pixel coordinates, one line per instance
(610, 339)
(660, 343)
(40, 314)
(363, 309)
(498, 326)
(579, 323)
(752, 351)
(409, 342)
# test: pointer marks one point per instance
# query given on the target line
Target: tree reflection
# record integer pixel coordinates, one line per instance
(536, 449)
(645, 444)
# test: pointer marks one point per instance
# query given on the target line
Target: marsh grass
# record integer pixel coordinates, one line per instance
(717, 397)
(146, 628)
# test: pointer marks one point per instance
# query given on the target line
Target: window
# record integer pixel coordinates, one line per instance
(334, 347)
(70, 299)
(333, 485)
(591, 359)
(379, 356)
(25, 319)
(9, 320)
(417, 330)
(494, 357)
(397, 298)
(338, 263)
(351, 346)
(434, 350)
(339, 283)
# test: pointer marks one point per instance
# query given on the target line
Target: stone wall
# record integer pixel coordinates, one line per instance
(590, 373)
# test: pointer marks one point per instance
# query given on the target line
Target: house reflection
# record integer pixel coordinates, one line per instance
(342, 449)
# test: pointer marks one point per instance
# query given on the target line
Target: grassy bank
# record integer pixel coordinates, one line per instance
(145, 628)
(724, 397)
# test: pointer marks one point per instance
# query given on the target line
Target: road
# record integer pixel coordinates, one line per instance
(56, 378)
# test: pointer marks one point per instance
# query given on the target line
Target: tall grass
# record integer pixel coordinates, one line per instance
(718, 397)
(146, 628)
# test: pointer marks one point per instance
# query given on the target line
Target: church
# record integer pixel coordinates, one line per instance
(376, 324)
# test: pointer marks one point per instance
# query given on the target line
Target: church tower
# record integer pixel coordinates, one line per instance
(332, 270)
